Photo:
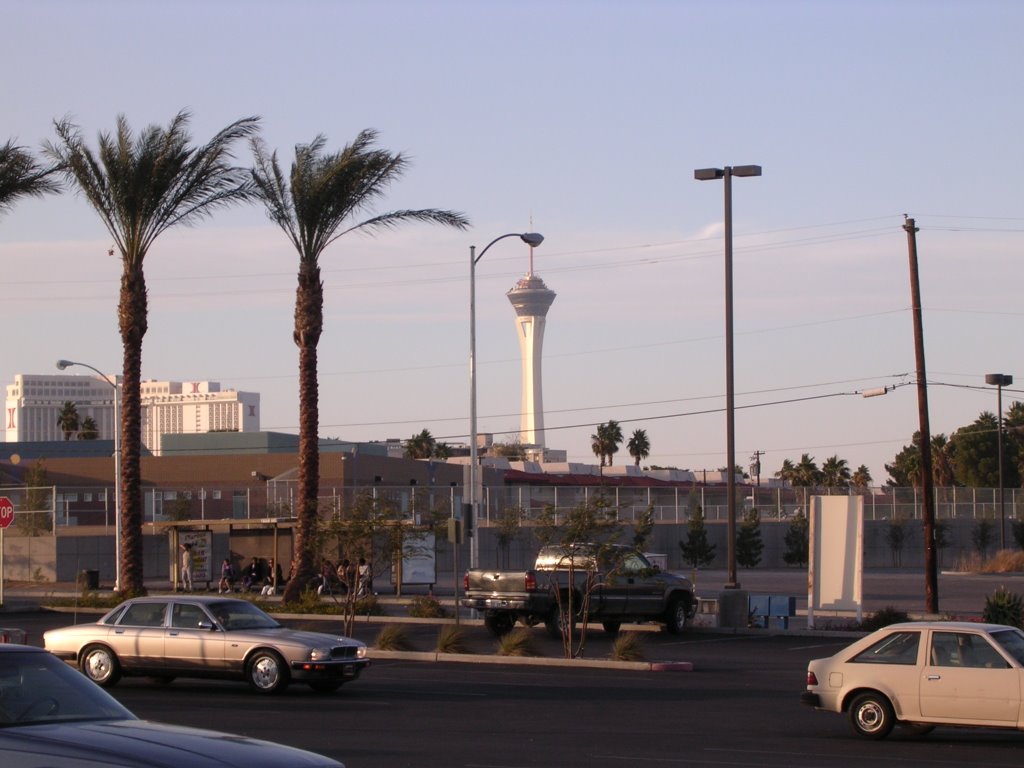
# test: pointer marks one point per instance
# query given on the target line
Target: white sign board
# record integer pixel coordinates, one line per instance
(835, 565)
(418, 563)
(202, 553)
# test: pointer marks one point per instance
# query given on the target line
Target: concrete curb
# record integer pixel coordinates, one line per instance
(531, 661)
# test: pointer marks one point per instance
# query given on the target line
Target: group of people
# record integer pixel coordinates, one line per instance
(269, 579)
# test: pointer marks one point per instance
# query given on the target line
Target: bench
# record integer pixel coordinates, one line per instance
(763, 608)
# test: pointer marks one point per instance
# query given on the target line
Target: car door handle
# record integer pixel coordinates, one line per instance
(173, 634)
(934, 677)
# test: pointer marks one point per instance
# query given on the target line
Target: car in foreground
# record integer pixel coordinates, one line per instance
(52, 716)
(198, 636)
(922, 674)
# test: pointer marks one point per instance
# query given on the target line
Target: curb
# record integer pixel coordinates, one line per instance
(532, 661)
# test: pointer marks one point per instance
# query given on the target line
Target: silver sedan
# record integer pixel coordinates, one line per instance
(187, 636)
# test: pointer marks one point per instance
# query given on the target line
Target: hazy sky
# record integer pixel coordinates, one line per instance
(583, 121)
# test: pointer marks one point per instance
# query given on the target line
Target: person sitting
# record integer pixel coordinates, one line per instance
(253, 575)
(325, 580)
(227, 577)
(273, 579)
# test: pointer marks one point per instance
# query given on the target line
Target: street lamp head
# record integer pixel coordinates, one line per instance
(746, 170)
(707, 174)
(998, 379)
(62, 364)
(532, 239)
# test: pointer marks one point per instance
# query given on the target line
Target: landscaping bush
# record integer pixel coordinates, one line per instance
(452, 639)
(628, 646)
(1004, 607)
(426, 607)
(883, 618)
(518, 642)
(393, 637)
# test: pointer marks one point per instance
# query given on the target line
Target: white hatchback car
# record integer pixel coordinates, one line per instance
(922, 674)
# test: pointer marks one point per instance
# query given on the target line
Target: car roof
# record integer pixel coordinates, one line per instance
(206, 599)
(14, 647)
(975, 626)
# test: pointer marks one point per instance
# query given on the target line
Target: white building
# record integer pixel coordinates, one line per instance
(33, 405)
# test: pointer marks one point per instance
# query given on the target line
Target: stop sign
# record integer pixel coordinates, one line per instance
(6, 512)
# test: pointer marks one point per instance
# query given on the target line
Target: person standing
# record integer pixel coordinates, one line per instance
(186, 567)
(227, 577)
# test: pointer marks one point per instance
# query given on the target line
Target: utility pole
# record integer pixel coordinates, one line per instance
(931, 579)
(755, 466)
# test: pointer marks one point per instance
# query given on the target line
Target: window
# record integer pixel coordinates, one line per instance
(1012, 641)
(144, 615)
(897, 648)
(964, 649)
(187, 616)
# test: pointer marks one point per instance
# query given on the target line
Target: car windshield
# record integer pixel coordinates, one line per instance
(239, 614)
(1011, 641)
(37, 687)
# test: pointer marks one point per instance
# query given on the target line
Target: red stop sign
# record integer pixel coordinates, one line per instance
(6, 512)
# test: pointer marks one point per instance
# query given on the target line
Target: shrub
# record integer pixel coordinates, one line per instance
(518, 642)
(393, 637)
(628, 646)
(883, 618)
(1004, 561)
(1004, 607)
(426, 607)
(452, 639)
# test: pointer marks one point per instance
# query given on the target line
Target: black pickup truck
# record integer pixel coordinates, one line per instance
(609, 584)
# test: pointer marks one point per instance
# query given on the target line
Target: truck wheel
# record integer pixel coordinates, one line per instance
(554, 623)
(675, 616)
(499, 624)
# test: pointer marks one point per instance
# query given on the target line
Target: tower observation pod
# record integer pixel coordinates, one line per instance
(531, 300)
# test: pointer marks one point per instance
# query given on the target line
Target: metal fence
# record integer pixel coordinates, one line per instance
(71, 506)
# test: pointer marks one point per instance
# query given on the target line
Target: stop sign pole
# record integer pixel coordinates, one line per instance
(6, 519)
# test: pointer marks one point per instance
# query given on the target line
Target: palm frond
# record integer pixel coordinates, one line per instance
(22, 176)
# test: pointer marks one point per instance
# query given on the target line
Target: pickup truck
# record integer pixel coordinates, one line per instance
(622, 584)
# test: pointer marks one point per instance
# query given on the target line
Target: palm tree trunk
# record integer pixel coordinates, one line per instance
(132, 321)
(309, 313)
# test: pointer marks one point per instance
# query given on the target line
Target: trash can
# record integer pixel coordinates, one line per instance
(89, 579)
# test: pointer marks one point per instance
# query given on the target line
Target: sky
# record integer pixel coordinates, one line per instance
(584, 121)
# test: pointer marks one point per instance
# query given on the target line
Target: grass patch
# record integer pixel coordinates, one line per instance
(628, 646)
(393, 637)
(452, 639)
(518, 642)
(1003, 561)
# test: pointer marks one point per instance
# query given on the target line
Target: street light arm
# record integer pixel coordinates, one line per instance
(62, 364)
(532, 239)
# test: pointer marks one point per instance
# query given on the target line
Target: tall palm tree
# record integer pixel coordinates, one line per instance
(21, 176)
(68, 419)
(612, 439)
(420, 446)
(597, 443)
(142, 185)
(639, 446)
(89, 430)
(835, 472)
(315, 204)
(787, 473)
(861, 478)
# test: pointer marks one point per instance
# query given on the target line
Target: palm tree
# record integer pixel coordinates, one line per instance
(835, 472)
(807, 473)
(787, 473)
(142, 185)
(420, 446)
(89, 430)
(861, 478)
(639, 446)
(68, 419)
(22, 176)
(597, 444)
(314, 205)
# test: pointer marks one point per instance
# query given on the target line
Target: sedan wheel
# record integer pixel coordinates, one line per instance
(871, 716)
(100, 665)
(266, 672)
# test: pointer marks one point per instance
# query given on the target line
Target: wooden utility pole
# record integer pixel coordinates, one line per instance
(931, 578)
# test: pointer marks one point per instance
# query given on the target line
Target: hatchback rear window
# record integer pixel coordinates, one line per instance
(897, 648)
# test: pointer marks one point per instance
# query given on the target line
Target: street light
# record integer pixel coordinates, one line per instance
(532, 239)
(708, 174)
(1000, 380)
(61, 365)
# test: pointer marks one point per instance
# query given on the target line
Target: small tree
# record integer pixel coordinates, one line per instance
(507, 529)
(643, 527)
(38, 500)
(982, 537)
(585, 536)
(697, 550)
(68, 419)
(896, 534)
(749, 545)
(89, 430)
(797, 541)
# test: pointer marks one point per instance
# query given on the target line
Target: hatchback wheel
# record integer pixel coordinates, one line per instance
(871, 716)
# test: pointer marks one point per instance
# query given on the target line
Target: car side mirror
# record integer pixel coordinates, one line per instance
(207, 625)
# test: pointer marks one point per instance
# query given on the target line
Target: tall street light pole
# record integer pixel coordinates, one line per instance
(61, 365)
(707, 174)
(1000, 380)
(532, 239)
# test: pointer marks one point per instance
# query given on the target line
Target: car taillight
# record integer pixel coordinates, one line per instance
(531, 581)
(811, 679)
(465, 583)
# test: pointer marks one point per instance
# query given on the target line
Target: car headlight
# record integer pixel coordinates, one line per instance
(361, 652)
(320, 654)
